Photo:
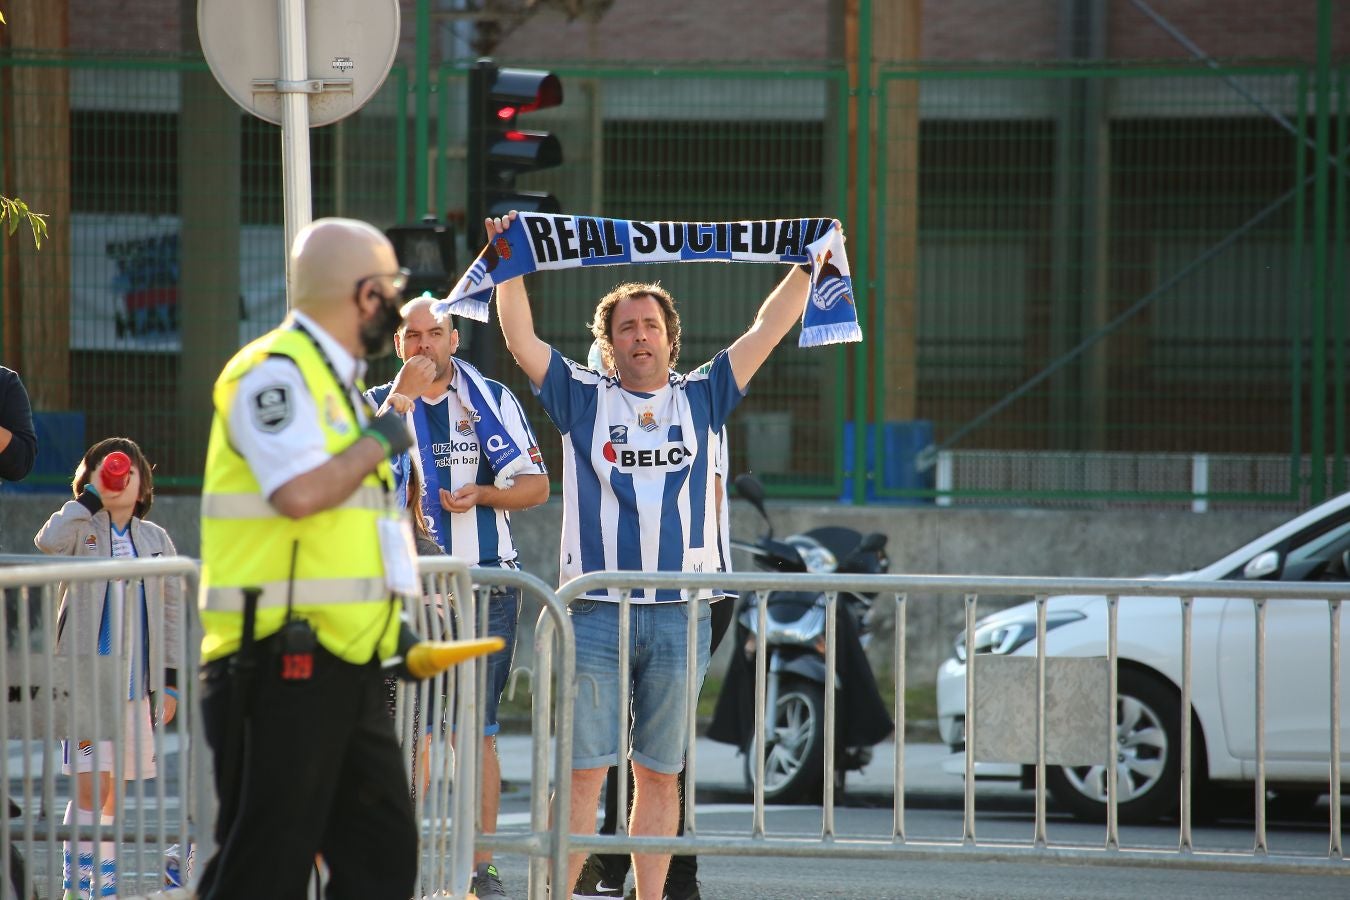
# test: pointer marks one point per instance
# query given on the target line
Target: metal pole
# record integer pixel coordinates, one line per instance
(1262, 846)
(1187, 635)
(901, 680)
(295, 173)
(691, 687)
(862, 194)
(422, 122)
(763, 715)
(1113, 721)
(831, 679)
(625, 692)
(1336, 851)
(968, 796)
(1321, 212)
(1038, 837)
(466, 786)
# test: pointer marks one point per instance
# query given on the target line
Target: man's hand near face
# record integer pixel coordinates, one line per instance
(418, 374)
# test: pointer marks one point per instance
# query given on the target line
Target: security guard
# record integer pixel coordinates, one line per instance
(303, 557)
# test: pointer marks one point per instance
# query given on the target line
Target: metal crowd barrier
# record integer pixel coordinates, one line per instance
(449, 809)
(553, 691)
(181, 807)
(49, 696)
(898, 590)
(83, 694)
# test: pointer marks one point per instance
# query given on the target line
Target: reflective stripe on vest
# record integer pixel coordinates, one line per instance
(329, 563)
(255, 506)
(312, 592)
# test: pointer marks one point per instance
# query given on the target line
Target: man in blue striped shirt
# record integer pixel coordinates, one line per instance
(638, 493)
(464, 510)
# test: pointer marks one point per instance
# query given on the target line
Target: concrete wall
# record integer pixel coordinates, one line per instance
(1106, 543)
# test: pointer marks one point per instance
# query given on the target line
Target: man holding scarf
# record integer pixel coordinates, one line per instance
(478, 461)
(638, 493)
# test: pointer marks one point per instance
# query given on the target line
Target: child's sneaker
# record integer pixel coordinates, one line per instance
(83, 876)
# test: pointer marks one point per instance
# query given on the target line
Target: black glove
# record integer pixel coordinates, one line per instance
(392, 433)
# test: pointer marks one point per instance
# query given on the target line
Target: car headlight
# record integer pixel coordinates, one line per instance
(1004, 636)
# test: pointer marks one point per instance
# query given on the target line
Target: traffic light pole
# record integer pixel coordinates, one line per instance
(481, 76)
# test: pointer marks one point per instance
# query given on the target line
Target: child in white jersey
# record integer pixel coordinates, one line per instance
(141, 622)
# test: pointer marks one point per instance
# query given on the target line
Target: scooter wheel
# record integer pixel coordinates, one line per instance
(795, 759)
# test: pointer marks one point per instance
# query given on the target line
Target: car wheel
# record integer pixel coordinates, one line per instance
(1148, 754)
(795, 761)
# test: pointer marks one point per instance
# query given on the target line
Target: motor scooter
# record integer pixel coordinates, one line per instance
(794, 721)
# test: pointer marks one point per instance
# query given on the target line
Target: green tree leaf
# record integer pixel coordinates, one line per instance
(12, 211)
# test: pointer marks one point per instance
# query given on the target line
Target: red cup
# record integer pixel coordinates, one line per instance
(116, 471)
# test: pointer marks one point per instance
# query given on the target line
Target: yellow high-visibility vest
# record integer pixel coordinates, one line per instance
(328, 565)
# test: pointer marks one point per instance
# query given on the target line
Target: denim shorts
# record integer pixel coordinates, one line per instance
(657, 661)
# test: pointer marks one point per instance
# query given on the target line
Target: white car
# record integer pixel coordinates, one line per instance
(1315, 546)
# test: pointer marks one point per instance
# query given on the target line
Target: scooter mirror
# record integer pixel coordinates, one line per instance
(872, 543)
(750, 488)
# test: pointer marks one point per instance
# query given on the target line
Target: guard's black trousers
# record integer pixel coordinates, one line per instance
(321, 773)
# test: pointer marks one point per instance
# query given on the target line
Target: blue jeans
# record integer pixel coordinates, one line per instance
(658, 656)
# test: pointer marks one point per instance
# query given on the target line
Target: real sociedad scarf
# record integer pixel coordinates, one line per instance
(504, 456)
(536, 242)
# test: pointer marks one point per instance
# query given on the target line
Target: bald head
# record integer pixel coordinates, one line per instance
(418, 305)
(330, 255)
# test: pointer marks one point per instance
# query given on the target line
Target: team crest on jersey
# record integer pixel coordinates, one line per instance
(647, 420)
(90, 543)
(618, 434)
(464, 427)
(334, 415)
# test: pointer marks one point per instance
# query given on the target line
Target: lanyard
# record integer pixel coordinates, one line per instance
(345, 390)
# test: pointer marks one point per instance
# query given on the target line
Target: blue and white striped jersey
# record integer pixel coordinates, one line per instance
(638, 471)
(444, 432)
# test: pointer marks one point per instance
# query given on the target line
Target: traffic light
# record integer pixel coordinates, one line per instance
(427, 250)
(498, 151)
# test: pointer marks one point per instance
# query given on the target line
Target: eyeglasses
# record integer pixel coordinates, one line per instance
(398, 280)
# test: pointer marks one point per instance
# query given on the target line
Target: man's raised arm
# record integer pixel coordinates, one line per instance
(513, 310)
(779, 312)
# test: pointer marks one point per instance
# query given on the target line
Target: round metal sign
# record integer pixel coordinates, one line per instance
(350, 46)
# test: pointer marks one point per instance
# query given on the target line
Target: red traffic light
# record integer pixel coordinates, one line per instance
(497, 150)
(525, 90)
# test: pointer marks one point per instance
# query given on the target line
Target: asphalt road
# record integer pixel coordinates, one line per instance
(939, 867)
(933, 864)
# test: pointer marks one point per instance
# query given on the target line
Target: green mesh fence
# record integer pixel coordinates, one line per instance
(1111, 282)
(167, 249)
(1104, 283)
